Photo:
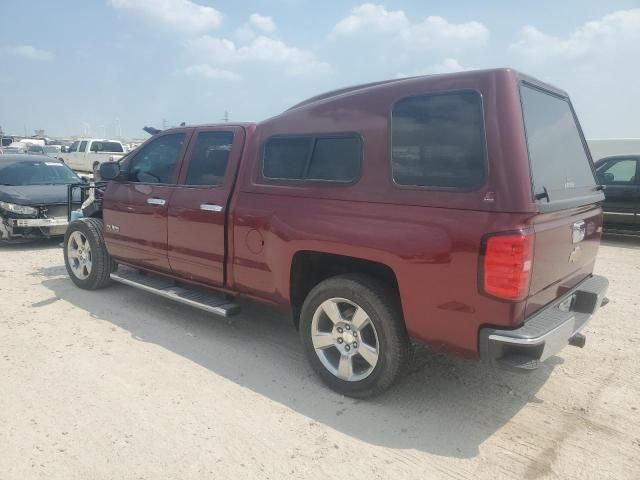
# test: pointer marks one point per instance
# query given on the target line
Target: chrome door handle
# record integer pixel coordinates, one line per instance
(156, 201)
(210, 207)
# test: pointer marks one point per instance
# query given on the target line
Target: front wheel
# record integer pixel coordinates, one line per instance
(85, 255)
(354, 335)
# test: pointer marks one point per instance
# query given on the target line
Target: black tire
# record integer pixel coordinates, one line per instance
(382, 305)
(102, 265)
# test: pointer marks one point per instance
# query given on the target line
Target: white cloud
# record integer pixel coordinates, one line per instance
(245, 33)
(432, 32)
(448, 65)
(207, 71)
(178, 14)
(609, 35)
(262, 23)
(31, 53)
(371, 18)
(261, 49)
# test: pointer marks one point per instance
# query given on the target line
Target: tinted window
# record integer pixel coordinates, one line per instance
(113, 147)
(36, 173)
(74, 146)
(83, 146)
(209, 159)
(558, 158)
(336, 159)
(326, 158)
(156, 161)
(620, 172)
(438, 141)
(286, 158)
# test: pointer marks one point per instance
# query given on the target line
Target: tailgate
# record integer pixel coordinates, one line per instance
(569, 223)
(565, 249)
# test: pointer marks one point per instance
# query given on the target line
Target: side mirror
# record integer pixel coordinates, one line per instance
(606, 178)
(109, 171)
(63, 149)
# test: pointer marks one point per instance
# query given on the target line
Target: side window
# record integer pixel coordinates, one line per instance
(74, 146)
(437, 140)
(286, 158)
(209, 158)
(83, 146)
(335, 159)
(322, 158)
(156, 161)
(620, 172)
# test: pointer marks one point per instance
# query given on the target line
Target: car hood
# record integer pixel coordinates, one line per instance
(34, 194)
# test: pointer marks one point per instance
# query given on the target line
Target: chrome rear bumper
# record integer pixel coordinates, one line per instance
(548, 331)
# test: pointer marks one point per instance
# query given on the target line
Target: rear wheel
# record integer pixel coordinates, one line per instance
(353, 334)
(85, 255)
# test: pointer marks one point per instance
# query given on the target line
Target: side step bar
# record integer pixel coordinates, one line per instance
(206, 301)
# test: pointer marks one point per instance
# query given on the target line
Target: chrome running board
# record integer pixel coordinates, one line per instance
(209, 302)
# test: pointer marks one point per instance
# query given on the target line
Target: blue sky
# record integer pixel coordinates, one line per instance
(72, 65)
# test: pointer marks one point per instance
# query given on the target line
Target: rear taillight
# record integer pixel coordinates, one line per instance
(506, 265)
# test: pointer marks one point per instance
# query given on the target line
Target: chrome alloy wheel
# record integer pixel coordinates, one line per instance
(79, 255)
(345, 339)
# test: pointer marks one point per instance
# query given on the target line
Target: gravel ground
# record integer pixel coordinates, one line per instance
(121, 384)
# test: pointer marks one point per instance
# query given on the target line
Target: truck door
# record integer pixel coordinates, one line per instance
(620, 175)
(135, 210)
(198, 208)
(74, 154)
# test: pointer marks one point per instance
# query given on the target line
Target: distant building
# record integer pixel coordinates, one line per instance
(607, 147)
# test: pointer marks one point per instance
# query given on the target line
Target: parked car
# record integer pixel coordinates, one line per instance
(458, 210)
(33, 197)
(15, 148)
(35, 149)
(85, 155)
(52, 150)
(621, 176)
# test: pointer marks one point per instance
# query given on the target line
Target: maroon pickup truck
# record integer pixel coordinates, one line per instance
(457, 210)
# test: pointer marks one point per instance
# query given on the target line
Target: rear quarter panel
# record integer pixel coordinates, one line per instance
(432, 251)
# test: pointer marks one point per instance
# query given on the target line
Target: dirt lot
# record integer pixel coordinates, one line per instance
(120, 384)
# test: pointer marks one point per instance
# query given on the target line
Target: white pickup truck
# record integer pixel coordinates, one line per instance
(86, 154)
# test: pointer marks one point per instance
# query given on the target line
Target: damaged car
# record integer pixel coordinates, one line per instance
(33, 197)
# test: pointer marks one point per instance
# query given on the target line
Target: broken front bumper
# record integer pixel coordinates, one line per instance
(16, 228)
(548, 331)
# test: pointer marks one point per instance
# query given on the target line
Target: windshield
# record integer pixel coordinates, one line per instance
(559, 162)
(36, 173)
(51, 149)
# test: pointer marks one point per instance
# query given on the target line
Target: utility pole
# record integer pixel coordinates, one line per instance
(118, 129)
(225, 118)
(164, 123)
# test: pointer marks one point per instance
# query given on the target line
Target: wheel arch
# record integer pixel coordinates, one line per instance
(310, 267)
